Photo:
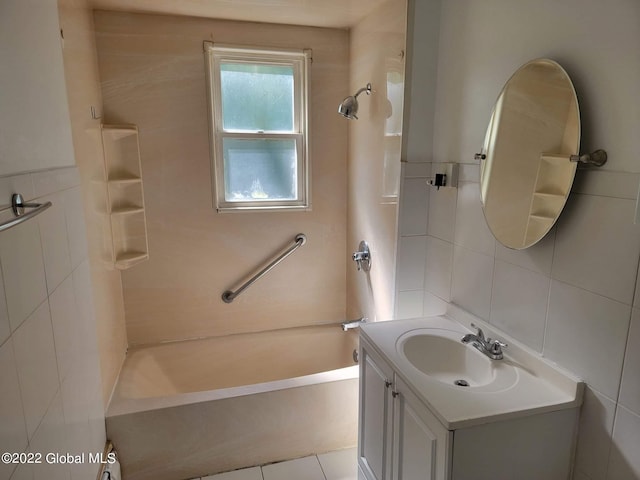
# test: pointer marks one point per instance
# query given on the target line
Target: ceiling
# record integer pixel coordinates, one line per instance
(317, 13)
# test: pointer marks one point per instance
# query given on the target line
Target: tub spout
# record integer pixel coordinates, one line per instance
(349, 324)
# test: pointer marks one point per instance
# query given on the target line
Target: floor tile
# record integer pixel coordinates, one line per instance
(340, 465)
(307, 468)
(252, 473)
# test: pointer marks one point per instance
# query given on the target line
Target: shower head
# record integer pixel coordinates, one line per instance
(349, 106)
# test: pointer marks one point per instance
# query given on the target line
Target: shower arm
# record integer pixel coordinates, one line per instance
(363, 89)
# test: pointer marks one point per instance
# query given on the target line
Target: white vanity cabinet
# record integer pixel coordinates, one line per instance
(399, 438)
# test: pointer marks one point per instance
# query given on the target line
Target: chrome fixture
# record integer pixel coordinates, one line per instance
(229, 296)
(349, 106)
(18, 206)
(349, 324)
(491, 348)
(362, 257)
(597, 158)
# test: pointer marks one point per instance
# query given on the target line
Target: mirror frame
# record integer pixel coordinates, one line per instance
(526, 169)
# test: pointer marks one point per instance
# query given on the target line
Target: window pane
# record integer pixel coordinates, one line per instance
(257, 97)
(260, 170)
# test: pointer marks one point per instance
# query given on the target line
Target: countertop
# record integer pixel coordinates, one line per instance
(540, 387)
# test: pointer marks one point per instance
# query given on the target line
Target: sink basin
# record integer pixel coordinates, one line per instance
(440, 355)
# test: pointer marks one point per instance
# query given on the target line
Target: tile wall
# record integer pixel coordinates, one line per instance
(573, 296)
(51, 398)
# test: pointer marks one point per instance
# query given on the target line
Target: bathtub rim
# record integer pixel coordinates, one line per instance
(120, 405)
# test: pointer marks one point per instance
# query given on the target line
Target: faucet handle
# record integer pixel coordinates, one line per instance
(362, 257)
(480, 333)
(496, 346)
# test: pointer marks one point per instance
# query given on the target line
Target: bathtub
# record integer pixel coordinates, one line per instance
(187, 409)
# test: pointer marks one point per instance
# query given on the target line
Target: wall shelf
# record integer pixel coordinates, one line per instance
(124, 180)
(125, 214)
(129, 259)
(126, 210)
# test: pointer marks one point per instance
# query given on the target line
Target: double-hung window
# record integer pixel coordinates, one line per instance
(258, 106)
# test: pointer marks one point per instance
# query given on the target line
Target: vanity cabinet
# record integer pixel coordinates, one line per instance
(123, 196)
(399, 438)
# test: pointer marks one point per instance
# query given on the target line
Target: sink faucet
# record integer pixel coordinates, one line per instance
(491, 348)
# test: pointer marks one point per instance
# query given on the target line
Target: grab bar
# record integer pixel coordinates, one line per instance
(229, 296)
(18, 206)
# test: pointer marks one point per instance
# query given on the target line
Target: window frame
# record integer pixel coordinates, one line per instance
(216, 54)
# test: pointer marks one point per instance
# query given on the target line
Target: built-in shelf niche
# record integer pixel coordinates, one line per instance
(125, 214)
(551, 187)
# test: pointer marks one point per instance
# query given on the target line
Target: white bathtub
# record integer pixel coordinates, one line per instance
(187, 409)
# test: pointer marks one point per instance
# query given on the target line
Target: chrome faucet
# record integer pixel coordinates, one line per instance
(349, 324)
(362, 257)
(491, 348)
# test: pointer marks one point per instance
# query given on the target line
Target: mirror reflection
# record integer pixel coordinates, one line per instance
(526, 173)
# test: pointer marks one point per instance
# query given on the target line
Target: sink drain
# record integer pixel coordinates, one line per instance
(461, 383)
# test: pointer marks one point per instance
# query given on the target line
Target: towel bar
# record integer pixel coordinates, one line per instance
(18, 206)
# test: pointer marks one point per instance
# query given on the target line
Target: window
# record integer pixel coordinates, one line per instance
(258, 115)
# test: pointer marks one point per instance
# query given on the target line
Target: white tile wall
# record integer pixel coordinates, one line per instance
(23, 472)
(519, 303)
(413, 215)
(579, 324)
(472, 279)
(577, 475)
(22, 271)
(566, 297)
(433, 305)
(471, 230)
(36, 361)
(51, 437)
(624, 463)
(538, 257)
(49, 373)
(5, 326)
(76, 228)
(594, 434)
(438, 267)
(442, 213)
(13, 434)
(597, 246)
(411, 260)
(630, 388)
(65, 321)
(409, 304)
(55, 246)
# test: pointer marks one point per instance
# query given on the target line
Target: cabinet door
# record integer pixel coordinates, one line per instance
(375, 435)
(421, 444)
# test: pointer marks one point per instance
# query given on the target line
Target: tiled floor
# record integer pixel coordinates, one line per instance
(339, 465)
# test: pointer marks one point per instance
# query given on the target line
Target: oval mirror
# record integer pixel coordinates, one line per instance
(526, 174)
